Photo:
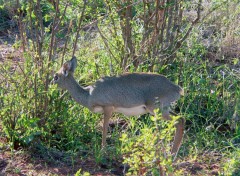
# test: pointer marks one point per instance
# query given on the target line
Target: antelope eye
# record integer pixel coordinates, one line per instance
(55, 77)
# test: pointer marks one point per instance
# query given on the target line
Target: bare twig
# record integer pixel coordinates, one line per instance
(79, 26)
(180, 42)
(21, 29)
(30, 10)
(66, 41)
(59, 22)
(106, 44)
(54, 31)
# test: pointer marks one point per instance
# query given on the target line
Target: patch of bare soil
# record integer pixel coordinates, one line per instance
(207, 164)
(41, 161)
(8, 52)
(22, 163)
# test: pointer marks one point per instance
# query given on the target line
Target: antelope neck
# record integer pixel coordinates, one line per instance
(77, 92)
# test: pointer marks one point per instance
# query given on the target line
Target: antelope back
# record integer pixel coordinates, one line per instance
(134, 89)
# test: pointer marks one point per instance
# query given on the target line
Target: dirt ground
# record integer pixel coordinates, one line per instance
(40, 161)
(22, 163)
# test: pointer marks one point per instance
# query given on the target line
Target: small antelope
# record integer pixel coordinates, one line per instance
(131, 94)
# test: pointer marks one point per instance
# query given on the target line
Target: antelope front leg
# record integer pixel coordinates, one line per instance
(107, 114)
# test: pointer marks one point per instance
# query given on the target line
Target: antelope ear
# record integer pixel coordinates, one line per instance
(66, 68)
(73, 64)
(69, 66)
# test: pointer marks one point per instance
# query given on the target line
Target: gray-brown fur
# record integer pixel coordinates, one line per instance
(140, 90)
(134, 89)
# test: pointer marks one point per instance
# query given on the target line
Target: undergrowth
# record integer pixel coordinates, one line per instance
(35, 115)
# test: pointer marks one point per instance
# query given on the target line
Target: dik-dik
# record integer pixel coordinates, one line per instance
(131, 94)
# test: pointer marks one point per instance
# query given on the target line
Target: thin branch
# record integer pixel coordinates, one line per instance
(215, 8)
(59, 22)
(66, 41)
(106, 44)
(180, 42)
(79, 26)
(54, 30)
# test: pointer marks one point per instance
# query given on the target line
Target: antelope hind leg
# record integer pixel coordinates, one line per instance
(178, 133)
(178, 137)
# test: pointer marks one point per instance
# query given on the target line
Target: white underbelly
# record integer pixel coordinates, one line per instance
(133, 111)
(98, 109)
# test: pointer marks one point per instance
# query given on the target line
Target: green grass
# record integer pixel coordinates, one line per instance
(67, 131)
